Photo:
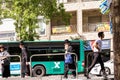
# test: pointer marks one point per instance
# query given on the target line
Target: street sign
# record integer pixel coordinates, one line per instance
(105, 5)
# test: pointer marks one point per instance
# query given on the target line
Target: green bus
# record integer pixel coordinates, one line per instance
(49, 64)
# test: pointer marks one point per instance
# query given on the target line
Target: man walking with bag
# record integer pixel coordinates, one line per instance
(69, 62)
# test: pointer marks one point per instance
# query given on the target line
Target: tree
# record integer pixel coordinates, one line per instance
(115, 7)
(26, 13)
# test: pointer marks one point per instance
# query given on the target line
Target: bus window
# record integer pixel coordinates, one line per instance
(56, 57)
(55, 50)
(32, 48)
(38, 51)
(76, 49)
(14, 51)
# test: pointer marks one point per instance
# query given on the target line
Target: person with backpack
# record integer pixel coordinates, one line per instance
(69, 62)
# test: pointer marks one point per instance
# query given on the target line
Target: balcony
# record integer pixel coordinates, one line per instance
(64, 29)
(96, 27)
(67, 1)
(89, 0)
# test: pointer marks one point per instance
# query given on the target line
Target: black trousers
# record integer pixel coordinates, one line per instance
(24, 69)
(5, 71)
(97, 58)
(69, 67)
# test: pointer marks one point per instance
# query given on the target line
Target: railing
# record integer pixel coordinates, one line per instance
(52, 55)
(64, 29)
(96, 27)
(89, 0)
(1, 57)
(67, 1)
(91, 54)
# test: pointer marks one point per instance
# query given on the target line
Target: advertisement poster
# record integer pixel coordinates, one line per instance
(103, 27)
(61, 29)
(89, 43)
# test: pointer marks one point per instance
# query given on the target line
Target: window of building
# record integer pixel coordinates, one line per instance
(66, 1)
(59, 26)
(42, 26)
(89, 0)
(95, 23)
(94, 19)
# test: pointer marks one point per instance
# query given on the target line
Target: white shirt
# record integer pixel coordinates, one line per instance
(99, 42)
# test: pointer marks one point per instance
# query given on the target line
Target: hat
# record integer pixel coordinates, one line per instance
(67, 41)
(1, 46)
(21, 43)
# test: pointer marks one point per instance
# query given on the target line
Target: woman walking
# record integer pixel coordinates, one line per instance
(5, 62)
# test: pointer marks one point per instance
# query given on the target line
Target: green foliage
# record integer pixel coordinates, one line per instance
(26, 13)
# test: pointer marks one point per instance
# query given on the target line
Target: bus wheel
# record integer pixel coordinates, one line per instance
(38, 71)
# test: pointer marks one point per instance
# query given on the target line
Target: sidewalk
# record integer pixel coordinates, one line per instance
(92, 77)
(58, 77)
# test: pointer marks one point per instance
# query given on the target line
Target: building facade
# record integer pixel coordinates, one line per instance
(7, 30)
(86, 20)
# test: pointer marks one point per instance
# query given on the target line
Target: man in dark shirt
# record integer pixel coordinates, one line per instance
(24, 62)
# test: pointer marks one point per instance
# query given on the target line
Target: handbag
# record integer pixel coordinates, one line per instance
(6, 62)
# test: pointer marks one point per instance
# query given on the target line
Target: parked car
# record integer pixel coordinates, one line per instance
(109, 68)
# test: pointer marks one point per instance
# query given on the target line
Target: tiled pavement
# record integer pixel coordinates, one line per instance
(58, 77)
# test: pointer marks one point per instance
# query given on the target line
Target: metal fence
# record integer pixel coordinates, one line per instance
(13, 56)
(90, 54)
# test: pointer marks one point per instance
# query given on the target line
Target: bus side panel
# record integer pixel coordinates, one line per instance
(56, 67)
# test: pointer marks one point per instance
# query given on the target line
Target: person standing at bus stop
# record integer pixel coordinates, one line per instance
(69, 62)
(97, 48)
(5, 62)
(24, 63)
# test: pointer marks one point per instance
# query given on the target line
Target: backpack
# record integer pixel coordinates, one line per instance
(68, 58)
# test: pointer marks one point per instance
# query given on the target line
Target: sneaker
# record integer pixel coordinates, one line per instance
(87, 76)
(65, 77)
(73, 77)
(105, 76)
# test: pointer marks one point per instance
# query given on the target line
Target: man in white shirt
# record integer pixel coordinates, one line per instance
(97, 48)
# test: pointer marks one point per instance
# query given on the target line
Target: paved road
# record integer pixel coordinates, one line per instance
(58, 77)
